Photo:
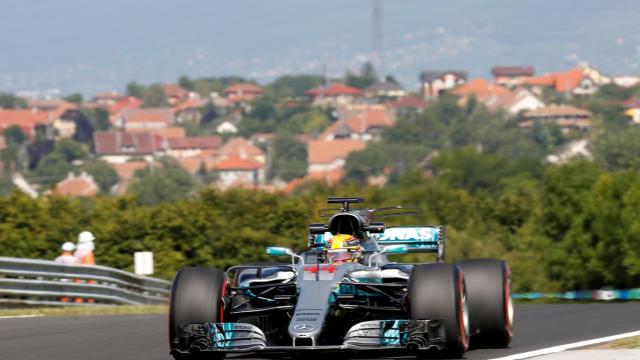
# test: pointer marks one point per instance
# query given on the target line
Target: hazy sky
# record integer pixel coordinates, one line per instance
(90, 46)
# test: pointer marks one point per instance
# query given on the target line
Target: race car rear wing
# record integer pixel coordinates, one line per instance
(421, 239)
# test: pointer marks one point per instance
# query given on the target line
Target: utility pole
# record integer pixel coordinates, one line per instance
(376, 36)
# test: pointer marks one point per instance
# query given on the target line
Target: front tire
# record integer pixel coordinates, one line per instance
(490, 302)
(437, 291)
(196, 297)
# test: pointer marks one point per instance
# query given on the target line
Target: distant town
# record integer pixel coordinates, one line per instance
(231, 132)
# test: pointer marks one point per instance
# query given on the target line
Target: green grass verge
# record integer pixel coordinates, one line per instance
(97, 310)
(628, 343)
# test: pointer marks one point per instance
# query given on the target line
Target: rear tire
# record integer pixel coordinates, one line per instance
(196, 297)
(437, 291)
(490, 302)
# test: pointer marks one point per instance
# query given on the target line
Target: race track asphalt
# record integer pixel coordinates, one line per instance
(144, 337)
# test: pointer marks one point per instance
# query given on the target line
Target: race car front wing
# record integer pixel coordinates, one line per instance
(368, 335)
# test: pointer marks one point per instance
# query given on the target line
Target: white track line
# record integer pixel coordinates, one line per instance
(560, 348)
(19, 316)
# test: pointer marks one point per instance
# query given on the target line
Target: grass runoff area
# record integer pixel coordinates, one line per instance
(92, 311)
(628, 343)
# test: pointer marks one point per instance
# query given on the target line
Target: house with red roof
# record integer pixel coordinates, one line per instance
(192, 146)
(330, 178)
(243, 92)
(434, 83)
(175, 93)
(243, 149)
(146, 118)
(327, 155)
(407, 103)
(82, 185)
(120, 147)
(50, 104)
(27, 120)
(573, 81)
(123, 103)
(567, 117)
(363, 125)
(515, 101)
(189, 110)
(335, 94)
(480, 88)
(235, 171)
(106, 98)
(511, 75)
(168, 132)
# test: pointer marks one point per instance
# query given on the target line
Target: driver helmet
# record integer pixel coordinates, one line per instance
(343, 248)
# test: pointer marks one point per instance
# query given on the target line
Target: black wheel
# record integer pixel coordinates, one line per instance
(196, 297)
(490, 303)
(437, 291)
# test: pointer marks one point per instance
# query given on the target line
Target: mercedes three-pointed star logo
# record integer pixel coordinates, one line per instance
(303, 327)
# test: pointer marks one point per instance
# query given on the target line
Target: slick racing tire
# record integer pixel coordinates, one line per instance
(490, 302)
(196, 297)
(437, 292)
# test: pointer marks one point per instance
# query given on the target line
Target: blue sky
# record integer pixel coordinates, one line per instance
(91, 46)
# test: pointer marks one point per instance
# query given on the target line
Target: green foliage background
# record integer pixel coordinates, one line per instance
(568, 227)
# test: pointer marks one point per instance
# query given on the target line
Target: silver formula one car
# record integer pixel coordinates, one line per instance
(345, 296)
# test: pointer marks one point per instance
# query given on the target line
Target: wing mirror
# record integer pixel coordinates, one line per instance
(283, 251)
(391, 249)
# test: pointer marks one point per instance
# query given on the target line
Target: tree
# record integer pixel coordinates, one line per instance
(6, 185)
(14, 135)
(186, 83)
(98, 117)
(51, 169)
(154, 97)
(136, 90)
(289, 158)
(70, 150)
(294, 85)
(169, 182)
(74, 98)
(39, 149)
(618, 150)
(309, 122)
(104, 175)
(366, 77)
(9, 101)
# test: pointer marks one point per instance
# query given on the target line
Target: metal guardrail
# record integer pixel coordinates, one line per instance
(43, 282)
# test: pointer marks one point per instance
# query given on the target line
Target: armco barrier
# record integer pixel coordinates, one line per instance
(604, 294)
(43, 282)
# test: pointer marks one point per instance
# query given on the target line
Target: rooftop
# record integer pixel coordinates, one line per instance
(127, 143)
(512, 71)
(561, 81)
(174, 91)
(239, 147)
(480, 87)
(195, 142)
(428, 76)
(147, 115)
(82, 185)
(328, 151)
(237, 163)
(558, 111)
(335, 89)
(243, 88)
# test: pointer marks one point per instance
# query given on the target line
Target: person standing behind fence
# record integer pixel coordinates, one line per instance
(67, 258)
(84, 254)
